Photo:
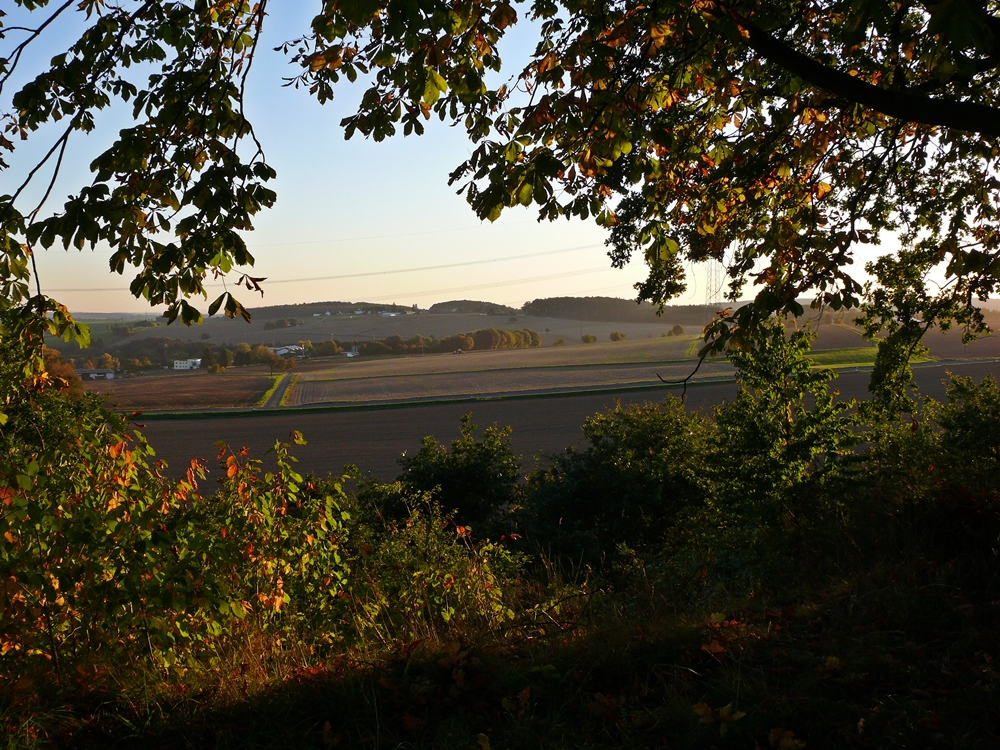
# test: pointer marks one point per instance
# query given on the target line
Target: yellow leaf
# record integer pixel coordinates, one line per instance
(823, 188)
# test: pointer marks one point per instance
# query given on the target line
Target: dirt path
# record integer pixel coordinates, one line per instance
(275, 399)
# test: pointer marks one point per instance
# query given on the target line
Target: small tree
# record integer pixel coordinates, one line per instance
(264, 356)
(588, 339)
(617, 336)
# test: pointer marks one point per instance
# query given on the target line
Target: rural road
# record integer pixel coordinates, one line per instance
(275, 399)
(374, 439)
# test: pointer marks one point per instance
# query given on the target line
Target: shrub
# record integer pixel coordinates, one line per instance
(642, 469)
(588, 339)
(561, 341)
(423, 578)
(478, 479)
(617, 336)
(677, 330)
(101, 553)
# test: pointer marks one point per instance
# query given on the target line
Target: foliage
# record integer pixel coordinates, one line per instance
(470, 307)
(641, 470)
(617, 336)
(477, 478)
(559, 341)
(423, 578)
(782, 466)
(279, 610)
(588, 339)
(777, 139)
(104, 551)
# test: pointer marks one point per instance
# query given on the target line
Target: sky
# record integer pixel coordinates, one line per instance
(355, 220)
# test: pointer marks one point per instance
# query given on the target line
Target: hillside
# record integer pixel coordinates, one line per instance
(471, 307)
(615, 310)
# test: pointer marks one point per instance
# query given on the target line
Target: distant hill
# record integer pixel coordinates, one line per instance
(308, 309)
(615, 310)
(473, 307)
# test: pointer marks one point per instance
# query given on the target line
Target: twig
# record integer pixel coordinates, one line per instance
(684, 381)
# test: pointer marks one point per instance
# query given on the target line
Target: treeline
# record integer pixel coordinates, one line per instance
(155, 352)
(473, 307)
(308, 309)
(486, 339)
(615, 310)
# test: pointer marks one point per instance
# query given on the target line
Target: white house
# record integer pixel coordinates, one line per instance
(291, 351)
(187, 364)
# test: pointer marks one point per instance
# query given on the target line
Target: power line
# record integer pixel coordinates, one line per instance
(368, 273)
(490, 285)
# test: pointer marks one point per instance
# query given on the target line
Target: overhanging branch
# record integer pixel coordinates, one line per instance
(903, 105)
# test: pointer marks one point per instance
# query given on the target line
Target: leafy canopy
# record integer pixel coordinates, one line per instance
(776, 137)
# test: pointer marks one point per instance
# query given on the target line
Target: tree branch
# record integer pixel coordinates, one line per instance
(902, 105)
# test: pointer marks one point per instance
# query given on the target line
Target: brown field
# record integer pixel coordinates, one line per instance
(605, 364)
(497, 372)
(185, 390)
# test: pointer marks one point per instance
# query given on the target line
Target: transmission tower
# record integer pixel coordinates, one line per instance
(715, 277)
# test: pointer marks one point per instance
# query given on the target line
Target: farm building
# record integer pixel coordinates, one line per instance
(95, 373)
(292, 351)
(187, 364)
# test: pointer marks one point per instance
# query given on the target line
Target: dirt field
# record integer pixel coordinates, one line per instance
(185, 390)
(374, 439)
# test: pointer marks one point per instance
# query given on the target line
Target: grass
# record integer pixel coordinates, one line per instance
(287, 395)
(275, 381)
(858, 355)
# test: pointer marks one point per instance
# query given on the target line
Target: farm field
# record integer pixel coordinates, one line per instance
(604, 365)
(546, 369)
(366, 327)
(185, 390)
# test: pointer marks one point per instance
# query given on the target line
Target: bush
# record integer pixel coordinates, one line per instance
(588, 339)
(643, 469)
(617, 336)
(477, 479)
(423, 578)
(561, 341)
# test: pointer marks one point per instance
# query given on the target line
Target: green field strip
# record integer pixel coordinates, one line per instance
(270, 391)
(286, 396)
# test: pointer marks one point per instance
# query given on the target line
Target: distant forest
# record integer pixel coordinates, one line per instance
(308, 309)
(615, 310)
(471, 306)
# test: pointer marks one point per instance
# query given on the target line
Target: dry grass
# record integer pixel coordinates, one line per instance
(184, 390)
